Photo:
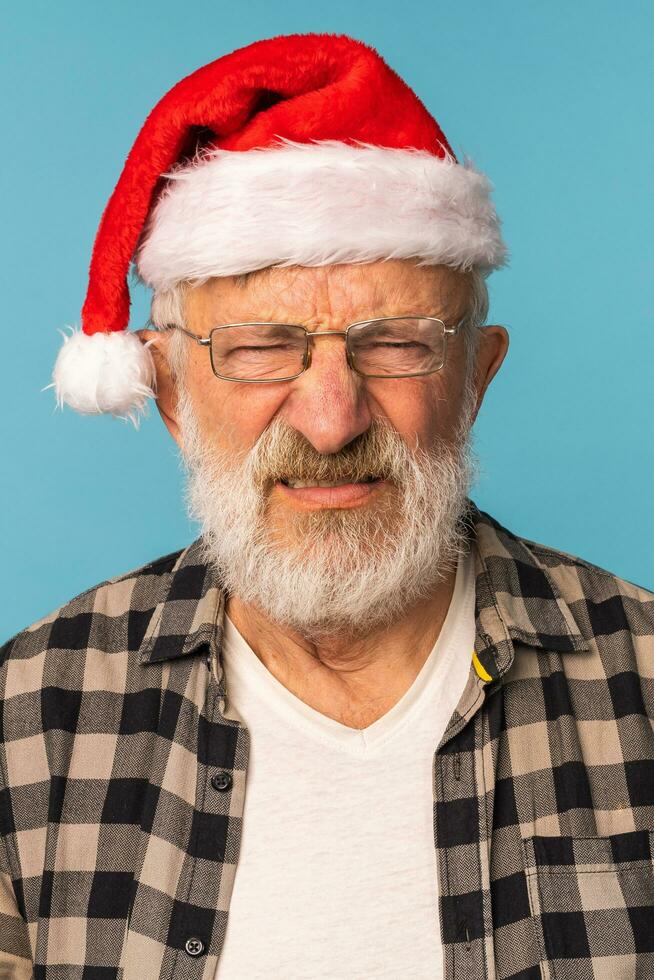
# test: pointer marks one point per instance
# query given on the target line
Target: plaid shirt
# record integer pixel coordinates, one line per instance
(124, 776)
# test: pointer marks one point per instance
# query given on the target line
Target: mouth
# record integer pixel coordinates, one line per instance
(317, 494)
(302, 484)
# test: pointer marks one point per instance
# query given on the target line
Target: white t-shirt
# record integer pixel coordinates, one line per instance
(336, 877)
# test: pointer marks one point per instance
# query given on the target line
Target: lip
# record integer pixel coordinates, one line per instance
(347, 495)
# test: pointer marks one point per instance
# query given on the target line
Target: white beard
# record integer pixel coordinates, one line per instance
(329, 572)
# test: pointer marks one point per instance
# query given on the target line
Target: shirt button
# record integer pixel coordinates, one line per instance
(221, 781)
(194, 946)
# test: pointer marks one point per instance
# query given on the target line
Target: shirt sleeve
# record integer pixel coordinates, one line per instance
(15, 948)
(15, 952)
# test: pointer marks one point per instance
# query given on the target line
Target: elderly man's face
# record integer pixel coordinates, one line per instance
(242, 442)
(329, 404)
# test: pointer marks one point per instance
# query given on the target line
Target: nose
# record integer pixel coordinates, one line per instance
(328, 403)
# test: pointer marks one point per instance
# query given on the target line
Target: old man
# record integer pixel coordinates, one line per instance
(357, 729)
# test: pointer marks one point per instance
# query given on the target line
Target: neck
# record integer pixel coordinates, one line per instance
(352, 679)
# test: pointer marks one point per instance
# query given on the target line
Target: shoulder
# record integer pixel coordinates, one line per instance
(608, 599)
(573, 576)
(113, 612)
(547, 591)
(616, 618)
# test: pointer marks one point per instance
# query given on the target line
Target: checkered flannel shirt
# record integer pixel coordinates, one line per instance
(124, 775)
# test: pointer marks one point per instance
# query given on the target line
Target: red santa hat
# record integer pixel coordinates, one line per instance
(300, 150)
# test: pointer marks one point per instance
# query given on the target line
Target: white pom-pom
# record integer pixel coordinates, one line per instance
(104, 372)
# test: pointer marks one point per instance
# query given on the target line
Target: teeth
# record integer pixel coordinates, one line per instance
(299, 484)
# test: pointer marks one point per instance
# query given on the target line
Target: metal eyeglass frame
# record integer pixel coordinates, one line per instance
(206, 342)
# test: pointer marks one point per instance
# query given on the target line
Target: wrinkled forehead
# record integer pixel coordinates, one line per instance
(343, 292)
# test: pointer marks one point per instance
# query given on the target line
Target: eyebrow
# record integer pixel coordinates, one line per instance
(258, 320)
(263, 323)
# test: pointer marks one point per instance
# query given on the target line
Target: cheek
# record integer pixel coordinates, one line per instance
(420, 409)
(234, 415)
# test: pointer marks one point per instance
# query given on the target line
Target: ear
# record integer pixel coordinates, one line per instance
(492, 350)
(157, 342)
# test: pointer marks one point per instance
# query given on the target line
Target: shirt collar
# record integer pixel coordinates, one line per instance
(516, 600)
(516, 597)
(188, 613)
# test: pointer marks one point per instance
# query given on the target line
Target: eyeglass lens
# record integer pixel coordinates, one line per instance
(271, 351)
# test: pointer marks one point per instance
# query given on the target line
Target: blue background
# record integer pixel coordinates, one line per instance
(553, 100)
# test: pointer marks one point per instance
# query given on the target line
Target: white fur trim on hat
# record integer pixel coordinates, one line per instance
(104, 372)
(230, 212)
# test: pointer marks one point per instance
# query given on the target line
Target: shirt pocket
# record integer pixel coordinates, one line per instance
(592, 901)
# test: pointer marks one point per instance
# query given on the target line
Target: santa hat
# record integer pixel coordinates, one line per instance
(300, 150)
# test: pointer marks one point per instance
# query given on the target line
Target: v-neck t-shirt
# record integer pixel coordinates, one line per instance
(347, 889)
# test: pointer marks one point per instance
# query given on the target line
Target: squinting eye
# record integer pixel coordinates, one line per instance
(398, 343)
(264, 347)
(391, 345)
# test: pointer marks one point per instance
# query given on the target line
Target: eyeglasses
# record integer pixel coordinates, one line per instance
(390, 347)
